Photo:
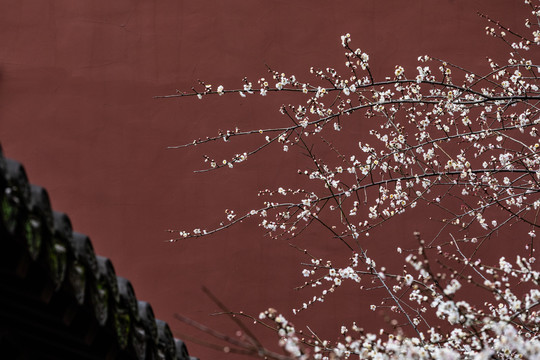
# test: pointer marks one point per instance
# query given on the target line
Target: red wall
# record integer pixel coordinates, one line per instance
(77, 80)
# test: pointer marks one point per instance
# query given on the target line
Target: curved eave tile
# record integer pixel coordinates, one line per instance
(85, 302)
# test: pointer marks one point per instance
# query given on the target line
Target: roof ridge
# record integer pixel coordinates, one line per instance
(58, 294)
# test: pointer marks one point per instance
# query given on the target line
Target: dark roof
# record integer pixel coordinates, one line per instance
(58, 300)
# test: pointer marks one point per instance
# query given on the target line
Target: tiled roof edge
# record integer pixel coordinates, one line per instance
(53, 269)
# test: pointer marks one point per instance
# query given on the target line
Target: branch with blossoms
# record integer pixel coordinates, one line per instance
(444, 137)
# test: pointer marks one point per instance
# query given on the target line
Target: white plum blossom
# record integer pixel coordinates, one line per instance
(460, 146)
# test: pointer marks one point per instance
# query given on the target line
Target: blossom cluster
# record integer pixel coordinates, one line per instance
(440, 136)
(506, 326)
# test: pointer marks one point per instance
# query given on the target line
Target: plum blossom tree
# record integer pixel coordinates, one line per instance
(439, 136)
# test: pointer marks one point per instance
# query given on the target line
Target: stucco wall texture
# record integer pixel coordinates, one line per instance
(77, 81)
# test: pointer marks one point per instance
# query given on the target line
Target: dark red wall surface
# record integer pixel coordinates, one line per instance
(77, 81)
